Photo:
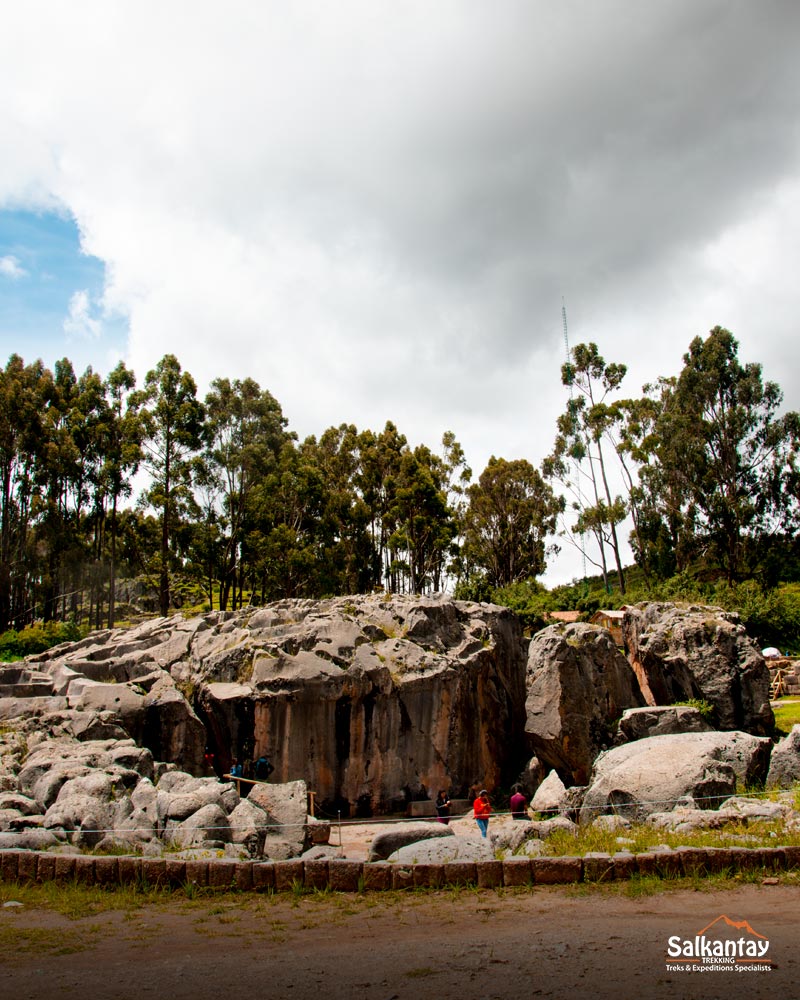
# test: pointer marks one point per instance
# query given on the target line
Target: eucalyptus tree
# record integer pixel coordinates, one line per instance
(423, 525)
(511, 512)
(121, 433)
(376, 480)
(173, 421)
(23, 392)
(347, 558)
(246, 430)
(720, 437)
(578, 458)
(285, 541)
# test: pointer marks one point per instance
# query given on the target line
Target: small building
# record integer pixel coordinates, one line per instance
(612, 620)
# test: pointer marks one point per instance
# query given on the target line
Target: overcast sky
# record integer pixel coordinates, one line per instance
(375, 209)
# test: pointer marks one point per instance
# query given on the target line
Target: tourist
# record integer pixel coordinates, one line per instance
(518, 803)
(262, 768)
(482, 810)
(237, 771)
(443, 807)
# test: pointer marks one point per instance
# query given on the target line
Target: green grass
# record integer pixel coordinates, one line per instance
(639, 839)
(787, 714)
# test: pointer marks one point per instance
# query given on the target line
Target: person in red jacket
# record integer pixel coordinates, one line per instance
(482, 810)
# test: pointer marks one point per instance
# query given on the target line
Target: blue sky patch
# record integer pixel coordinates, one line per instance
(50, 293)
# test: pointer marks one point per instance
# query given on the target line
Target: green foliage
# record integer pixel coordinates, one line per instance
(529, 600)
(511, 512)
(37, 638)
(705, 708)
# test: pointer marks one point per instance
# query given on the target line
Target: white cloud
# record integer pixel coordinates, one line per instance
(79, 322)
(10, 267)
(375, 209)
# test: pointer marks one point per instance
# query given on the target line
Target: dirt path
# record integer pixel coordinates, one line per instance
(540, 943)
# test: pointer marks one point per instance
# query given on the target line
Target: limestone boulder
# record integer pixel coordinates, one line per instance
(209, 823)
(249, 825)
(699, 653)
(784, 765)
(29, 840)
(285, 809)
(441, 851)
(578, 685)
(660, 720)
(658, 773)
(550, 795)
(54, 762)
(400, 835)
(371, 701)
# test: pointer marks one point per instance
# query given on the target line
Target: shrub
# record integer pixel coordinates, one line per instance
(37, 638)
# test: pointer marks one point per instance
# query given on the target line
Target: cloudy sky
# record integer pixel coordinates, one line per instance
(376, 209)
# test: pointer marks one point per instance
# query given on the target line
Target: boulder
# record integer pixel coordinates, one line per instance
(399, 835)
(784, 765)
(699, 653)
(578, 685)
(209, 823)
(655, 774)
(285, 808)
(660, 720)
(249, 825)
(439, 851)
(550, 795)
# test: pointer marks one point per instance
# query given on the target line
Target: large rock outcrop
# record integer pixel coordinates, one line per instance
(372, 701)
(578, 685)
(699, 653)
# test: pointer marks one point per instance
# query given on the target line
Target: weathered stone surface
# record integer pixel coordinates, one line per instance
(287, 875)
(684, 653)
(655, 774)
(399, 835)
(578, 685)
(428, 876)
(784, 765)
(316, 873)
(264, 876)
(371, 700)
(343, 875)
(550, 795)
(29, 840)
(556, 871)
(460, 873)
(285, 808)
(377, 876)
(444, 850)
(209, 823)
(9, 862)
(517, 871)
(660, 720)
(489, 873)
(597, 867)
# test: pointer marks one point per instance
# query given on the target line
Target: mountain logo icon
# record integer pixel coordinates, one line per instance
(737, 925)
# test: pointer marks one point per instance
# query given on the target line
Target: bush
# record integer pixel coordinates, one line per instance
(37, 638)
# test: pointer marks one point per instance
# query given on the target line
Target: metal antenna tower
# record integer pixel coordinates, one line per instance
(577, 470)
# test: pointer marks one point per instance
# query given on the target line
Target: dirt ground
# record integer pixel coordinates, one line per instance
(537, 943)
(529, 943)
